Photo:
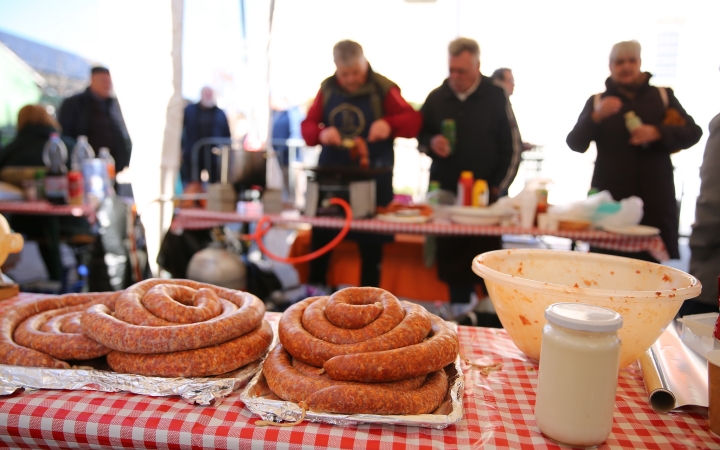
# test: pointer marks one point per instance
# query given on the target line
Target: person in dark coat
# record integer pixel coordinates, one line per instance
(705, 237)
(636, 162)
(202, 120)
(96, 114)
(484, 145)
(34, 126)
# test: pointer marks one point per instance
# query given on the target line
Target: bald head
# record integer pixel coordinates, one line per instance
(207, 97)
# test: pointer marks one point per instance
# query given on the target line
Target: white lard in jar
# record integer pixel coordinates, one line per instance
(577, 380)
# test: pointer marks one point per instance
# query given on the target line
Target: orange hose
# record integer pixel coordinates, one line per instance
(264, 225)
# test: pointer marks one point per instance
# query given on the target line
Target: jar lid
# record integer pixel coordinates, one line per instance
(583, 317)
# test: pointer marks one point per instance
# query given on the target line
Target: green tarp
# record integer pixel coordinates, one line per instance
(18, 86)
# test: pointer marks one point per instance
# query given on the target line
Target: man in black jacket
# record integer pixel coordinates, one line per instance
(484, 145)
(634, 159)
(96, 114)
(202, 120)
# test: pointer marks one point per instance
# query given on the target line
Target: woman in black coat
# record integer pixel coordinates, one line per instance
(638, 162)
(34, 126)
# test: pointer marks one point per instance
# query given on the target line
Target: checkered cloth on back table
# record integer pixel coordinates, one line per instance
(193, 219)
(498, 413)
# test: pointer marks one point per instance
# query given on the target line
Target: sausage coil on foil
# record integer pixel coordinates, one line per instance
(171, 328)
(361, 350)
(180, 328)
(41, 333)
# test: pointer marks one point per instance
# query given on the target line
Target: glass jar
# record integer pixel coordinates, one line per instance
(577, 380)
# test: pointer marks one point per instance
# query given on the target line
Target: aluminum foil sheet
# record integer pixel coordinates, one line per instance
(675, 376)
(259, 399)
(201, 391)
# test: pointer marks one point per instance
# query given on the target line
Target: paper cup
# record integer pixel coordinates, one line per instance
(713, 358)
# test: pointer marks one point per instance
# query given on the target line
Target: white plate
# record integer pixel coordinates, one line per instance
(470, 220)
(633, 230)
(403, 218)
(471, 211)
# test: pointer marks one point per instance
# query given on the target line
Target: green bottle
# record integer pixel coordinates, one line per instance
(40, 183)
(449, 130)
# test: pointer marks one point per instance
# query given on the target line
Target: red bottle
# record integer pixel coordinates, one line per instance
(465, 188)
(76, 188)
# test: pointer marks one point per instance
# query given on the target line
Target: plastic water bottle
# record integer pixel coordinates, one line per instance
(80, 153)
(104, 154)
(76, 185)
(54, 157)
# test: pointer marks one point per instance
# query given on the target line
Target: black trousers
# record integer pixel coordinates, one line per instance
(370, 245)
(454, 257)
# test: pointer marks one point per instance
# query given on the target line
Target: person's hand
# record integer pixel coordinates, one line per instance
(440, 145)
(330, 136)
(607, 107)
(644, 134)
(379, 131)
(494, 194)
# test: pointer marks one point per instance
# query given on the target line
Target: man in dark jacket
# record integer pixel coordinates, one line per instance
(631, 159)
(484, 145)
(202, 120)
(96, 114)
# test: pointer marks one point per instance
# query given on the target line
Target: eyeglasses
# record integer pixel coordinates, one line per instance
(621, 61)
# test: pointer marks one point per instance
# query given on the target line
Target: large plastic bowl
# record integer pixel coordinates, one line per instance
(522, 283)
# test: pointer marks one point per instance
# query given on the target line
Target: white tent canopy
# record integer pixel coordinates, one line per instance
(144, 53)
(146, 64)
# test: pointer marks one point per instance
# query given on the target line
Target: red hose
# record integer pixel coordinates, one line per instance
(264, 225)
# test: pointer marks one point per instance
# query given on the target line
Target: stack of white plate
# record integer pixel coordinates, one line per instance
(403, 218)
(468, 215)
(633, 230)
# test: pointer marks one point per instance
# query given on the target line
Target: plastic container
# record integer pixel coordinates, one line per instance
(542, 201)
(105, 155)
(54, 157)
(465, 188)
(697, 332)
(449, 131)
(40, 183)
(632, 121)
(95, 175)
(577, 380)
(480, 193)
(81, 151)
(76, 190)
(522, 283)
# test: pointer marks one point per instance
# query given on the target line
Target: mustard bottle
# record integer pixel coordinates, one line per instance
(480, 193)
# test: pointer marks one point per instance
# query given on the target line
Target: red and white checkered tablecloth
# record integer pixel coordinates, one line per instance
(193, 219)
(498, 414)
(46, 209)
